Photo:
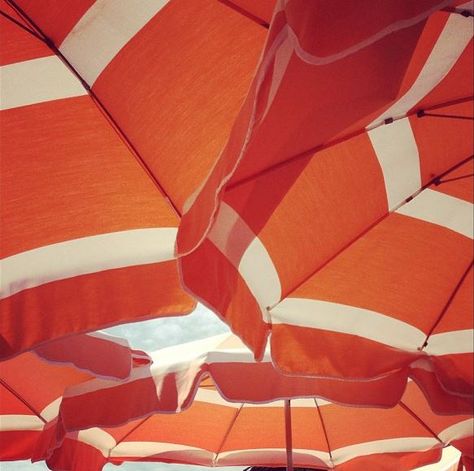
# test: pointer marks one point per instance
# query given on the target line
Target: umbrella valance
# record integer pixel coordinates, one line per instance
(213, 426)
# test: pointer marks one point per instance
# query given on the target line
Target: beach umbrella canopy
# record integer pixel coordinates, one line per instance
(30, 394)
(111, 114)
(339, 216)
(32, 384)
(230, 412)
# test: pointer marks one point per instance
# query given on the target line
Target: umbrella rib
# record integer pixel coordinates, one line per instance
(21, 399)
(228, 432)
(459, 11)
(249, 15)
(423, 113)
(13, 20)
(313, 150)
(128, 434)
(462, 177)
(115, 126)
(436, 180)
(419, 420)
(448, 304)
(324, 429)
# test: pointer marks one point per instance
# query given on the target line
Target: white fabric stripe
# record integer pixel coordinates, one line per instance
(451, 43)
(51, 411)
(98, 438)
(303, 403)
(445, 210)
(37, 81)
(261, 276)
(103, 31)
(255, 265)
(460, 430)
(212, 396)
(249, 455)
(13, 422)
(390, 445)
(86, 255)
(143, 449)
(400, 163)
(451, 343)
(449, 461)
(334, 317)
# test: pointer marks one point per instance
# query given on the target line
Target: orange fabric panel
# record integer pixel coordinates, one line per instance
(175, 89)
(456, 317)
(392, 270)
(37, 381)
(90, 302)
(457, 371)
(424, 46)
(264, 427)
(443, 142)
(340, 191)
(66, 174)
(263, 382)
(213, 420)
(345, 425)
(433, 27)
(299, 350)
(415, 401)
(17, 445)
(76, 456)
(9, 403)
(17, 44)
(56, 18)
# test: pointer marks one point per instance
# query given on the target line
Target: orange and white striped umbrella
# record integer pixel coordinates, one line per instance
(32, 384)
(110, 111)
(30, 395)
(339, 216)
(213, 427)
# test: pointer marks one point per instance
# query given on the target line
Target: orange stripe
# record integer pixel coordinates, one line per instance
(24, 372)
(66, 174)
(18, 45)
(90, 302)
(299, 350)
(183, 84)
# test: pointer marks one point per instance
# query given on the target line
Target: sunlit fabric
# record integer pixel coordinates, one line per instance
(339, 216)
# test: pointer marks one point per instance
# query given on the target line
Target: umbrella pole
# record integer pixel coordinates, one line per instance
(289, 444)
